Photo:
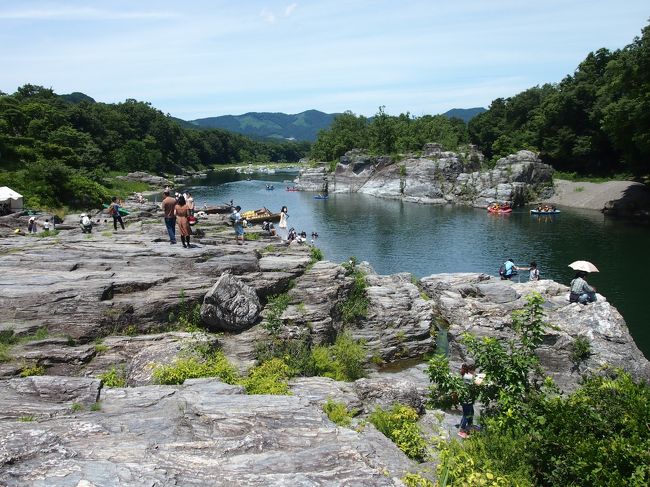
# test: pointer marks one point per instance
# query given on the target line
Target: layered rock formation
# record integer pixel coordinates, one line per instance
(82, 306)
(435, 177)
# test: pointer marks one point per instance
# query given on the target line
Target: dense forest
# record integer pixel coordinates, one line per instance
(59, 150)
(596, 121)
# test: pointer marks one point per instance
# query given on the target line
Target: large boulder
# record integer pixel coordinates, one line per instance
(230, 305)
(480, 305)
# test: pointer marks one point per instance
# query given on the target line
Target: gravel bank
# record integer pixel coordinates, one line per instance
(595, 196)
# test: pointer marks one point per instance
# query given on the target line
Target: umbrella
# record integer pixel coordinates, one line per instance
(583, 265)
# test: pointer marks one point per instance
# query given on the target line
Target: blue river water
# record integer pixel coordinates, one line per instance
(394, 236)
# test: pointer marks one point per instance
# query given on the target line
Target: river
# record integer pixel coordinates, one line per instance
(394, 236)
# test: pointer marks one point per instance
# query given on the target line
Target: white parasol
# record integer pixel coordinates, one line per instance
(583, 265)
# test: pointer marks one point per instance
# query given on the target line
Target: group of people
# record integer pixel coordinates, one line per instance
(32, 225)
(178, 210)
(508, 270)
(580, 292)
(546, 208)
(499, 206)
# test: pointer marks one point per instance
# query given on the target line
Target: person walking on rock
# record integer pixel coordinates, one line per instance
(182, 212)
(114, 211)
(169, 211)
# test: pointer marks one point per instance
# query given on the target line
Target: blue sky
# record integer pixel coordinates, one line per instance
(195, 59)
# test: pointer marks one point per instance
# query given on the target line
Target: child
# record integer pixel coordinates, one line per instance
(534, 271)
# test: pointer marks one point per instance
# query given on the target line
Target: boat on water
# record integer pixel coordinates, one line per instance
(544, 212)
(261, 215)
(321, 197)
(292, 189)
(498, 209)
(213, 210)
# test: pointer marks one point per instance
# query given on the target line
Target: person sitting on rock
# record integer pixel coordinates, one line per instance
(85, 223)
(581, 292)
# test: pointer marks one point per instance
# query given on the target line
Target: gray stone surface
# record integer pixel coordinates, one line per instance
(482, 305)
(201, 433)
(436, 177)
(230, 305)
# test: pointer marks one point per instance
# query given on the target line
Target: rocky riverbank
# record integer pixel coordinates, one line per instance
(436, 176)
(77, 306)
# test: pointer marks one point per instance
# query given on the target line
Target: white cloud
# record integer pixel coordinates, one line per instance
(290, 8)
(268, 16)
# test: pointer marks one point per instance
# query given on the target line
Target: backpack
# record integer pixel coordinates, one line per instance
(111, 210)
(502, 271)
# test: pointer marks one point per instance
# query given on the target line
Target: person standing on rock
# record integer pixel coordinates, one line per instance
(114, 211)
(238, 224)
(466, 397)
(169, 208)
(283, 222)
(190, 203)
(182, 212)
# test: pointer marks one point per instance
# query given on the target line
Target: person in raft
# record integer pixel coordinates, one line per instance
(581, 292)
(238, 224)
(182, 212)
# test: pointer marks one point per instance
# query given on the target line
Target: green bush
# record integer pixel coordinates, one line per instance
(32, 370)
(416, 480)
(271, 377)
(355, 305)
(213, 365)
(276, 306)
(400, 425)
(580, 349)
(342, 361)
(339, 413)
(316, 254)
(115, 377)
(296, 353)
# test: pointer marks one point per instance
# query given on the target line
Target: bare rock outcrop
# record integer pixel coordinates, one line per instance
(482, 305)
(230, 305)
(436, 176)
(201, 433)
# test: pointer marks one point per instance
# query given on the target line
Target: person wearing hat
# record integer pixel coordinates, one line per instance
(85, 223)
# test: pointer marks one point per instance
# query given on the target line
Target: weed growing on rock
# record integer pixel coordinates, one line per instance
(355, 305)
(96, 406)
(271, 377)
(316, 254)
(580, 349)
(339, 413)
(417, 480)
(342, 361)
(76, 407)
(213, 365)
(26, 419)
(400, 425)
(100, 348)
(32, 370)
(276, 306)
(115, 377)
(252, 236)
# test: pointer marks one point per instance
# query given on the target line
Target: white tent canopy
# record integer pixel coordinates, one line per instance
(11, 200)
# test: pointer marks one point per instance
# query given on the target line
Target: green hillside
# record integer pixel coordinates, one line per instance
(465, 114)
(301, 126)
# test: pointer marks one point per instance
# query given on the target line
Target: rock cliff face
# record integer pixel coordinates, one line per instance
(82, 306)
(435, 177)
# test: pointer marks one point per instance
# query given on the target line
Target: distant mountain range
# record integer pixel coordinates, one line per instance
(301, 126)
